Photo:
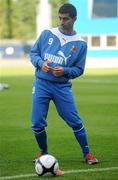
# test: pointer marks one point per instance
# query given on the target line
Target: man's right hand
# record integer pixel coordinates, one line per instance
(45, 67)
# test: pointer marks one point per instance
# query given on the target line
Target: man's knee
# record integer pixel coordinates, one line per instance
(38, 131)
(38, 126)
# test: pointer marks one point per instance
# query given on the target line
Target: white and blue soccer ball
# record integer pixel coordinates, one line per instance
(46, 165)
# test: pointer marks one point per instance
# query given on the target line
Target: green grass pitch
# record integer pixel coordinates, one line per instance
(96, 95)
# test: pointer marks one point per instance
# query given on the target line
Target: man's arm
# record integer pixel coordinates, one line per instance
(78, 68)
(70, 72)
(35, 54)
(74, 71)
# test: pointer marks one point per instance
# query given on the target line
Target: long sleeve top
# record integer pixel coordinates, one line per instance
(68, 51)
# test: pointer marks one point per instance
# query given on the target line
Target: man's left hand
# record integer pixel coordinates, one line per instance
(58, 71)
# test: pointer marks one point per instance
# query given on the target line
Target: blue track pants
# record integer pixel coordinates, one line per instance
(61, 95)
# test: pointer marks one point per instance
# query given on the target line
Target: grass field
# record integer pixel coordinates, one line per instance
(96, 95)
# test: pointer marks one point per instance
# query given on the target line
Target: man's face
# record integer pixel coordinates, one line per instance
(66, 22)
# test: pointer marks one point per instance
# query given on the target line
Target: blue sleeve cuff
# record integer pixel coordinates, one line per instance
(66, 70)
(40, 63)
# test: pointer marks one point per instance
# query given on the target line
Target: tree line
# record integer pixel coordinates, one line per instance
(18, 18)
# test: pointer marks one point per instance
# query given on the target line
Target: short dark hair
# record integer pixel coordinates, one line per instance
(69, 9)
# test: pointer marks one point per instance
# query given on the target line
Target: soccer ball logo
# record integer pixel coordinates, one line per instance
(46, 165)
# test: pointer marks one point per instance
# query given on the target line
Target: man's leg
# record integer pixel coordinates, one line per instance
(81, 137)
(40, 105)
(75, 122)
(41, 138)
(66, 108)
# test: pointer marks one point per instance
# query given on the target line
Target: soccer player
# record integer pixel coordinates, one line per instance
(58, 55)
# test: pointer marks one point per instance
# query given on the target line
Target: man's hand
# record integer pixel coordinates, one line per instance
(58, 71)
(45, 67)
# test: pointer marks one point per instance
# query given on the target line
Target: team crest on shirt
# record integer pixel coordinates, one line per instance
(73, 49)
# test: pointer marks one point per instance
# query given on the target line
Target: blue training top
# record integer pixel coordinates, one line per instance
(68, 51)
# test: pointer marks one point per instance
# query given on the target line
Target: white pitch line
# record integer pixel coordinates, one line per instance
(65, 172)
(91, 170)
(18, 176)
(96, 81)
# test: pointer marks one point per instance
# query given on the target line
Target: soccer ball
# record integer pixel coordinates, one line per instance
(46, 165)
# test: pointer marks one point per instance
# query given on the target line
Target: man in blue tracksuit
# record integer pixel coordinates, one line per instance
(58, 55)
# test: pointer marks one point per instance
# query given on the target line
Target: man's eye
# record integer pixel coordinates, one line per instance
(65, 19)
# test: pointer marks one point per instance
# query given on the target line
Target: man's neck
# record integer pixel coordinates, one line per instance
(67, 32)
